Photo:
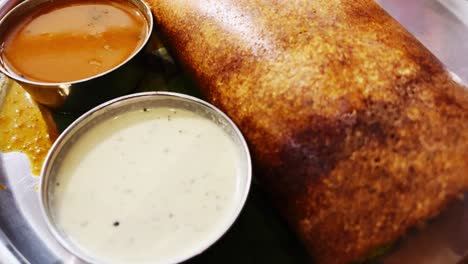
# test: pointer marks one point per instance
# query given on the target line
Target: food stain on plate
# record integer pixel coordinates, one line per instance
(2, 187)
(25, 126)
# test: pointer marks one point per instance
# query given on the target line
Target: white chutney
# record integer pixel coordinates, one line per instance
(147, 186)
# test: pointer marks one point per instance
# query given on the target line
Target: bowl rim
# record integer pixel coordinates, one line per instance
(100, 109)
(141, 5)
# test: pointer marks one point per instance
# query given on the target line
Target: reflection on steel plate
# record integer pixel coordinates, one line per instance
(434, 24)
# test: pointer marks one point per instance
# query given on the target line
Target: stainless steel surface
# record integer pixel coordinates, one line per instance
(68, 96)
(20, 215)
(114, 108)
(439, 26)
(7, 5)
(445, 241)
(8, 252)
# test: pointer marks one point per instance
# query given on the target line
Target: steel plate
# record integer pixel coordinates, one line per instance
(259, 236)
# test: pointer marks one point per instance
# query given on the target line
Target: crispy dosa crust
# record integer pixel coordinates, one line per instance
(357, 130)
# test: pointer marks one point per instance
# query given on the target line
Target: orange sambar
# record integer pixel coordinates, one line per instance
(64, 41)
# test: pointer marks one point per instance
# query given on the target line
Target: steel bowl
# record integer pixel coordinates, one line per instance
(81, 95)
(121, 105)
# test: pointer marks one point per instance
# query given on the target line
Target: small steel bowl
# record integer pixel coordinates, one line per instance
(121, 105)
(81, 95)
